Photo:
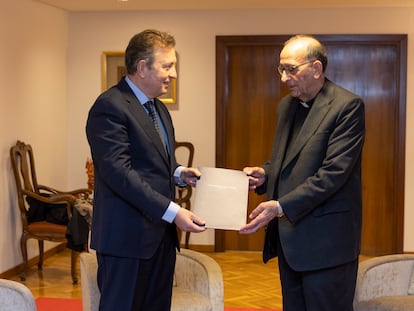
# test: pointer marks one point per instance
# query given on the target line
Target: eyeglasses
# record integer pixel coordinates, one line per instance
(291, 69)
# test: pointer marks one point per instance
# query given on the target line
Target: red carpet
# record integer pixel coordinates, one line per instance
(61, 304)
(248, 309)
(66, 304)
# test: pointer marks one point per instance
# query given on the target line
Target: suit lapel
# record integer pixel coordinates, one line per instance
(165, 119)
(319, 109)
(282, 140)
(142, 118)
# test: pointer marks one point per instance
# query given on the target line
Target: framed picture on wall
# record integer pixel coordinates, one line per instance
(113, 69)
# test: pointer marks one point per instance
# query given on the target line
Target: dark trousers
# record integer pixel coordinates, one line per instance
(330, 289)
(129, 284)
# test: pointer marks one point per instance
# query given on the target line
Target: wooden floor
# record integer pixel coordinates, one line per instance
(247, 281)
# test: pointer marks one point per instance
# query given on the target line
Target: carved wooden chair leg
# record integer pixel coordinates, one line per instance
(187, 239)
(73, 264)
(23, 247)
(41, 254)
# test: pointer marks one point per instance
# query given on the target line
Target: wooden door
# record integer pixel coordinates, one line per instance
(249, 89)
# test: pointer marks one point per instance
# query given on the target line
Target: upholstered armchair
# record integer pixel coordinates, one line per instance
(15, 296)
(386, 283)
(198, 282)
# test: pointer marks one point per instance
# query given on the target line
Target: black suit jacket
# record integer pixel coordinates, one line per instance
(134, 181)
(317, 182)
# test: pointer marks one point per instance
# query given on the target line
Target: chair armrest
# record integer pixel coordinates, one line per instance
(67, 199)
(53, 198)
(384, 276)
(84, 191)
(202, 274)
(16, 296)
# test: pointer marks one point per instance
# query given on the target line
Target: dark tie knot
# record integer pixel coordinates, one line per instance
(149, 105)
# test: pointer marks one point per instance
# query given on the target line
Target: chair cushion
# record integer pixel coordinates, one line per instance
(44, 226)
(182, 299)
(387, 303)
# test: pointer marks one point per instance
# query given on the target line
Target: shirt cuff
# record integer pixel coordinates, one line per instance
(279, 210)
(177, 177)
(171, 212)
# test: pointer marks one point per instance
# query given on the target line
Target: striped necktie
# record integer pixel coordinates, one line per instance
(149, 106)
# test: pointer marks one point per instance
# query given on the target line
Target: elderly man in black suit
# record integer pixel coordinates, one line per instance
(313, 183)
(131, 136)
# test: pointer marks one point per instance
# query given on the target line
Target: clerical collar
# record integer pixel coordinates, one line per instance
(307, 104)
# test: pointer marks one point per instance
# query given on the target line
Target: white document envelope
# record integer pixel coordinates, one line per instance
(221, 198)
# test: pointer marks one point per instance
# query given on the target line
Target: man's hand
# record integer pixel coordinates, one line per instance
(256, 175)
(190, 175)
(189, 222)
(261, 216)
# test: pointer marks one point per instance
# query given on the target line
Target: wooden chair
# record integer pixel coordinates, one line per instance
(23, 165)
(183, 195)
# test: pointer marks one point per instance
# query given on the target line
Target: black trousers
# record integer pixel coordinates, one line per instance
(130, 284)
(330, 289)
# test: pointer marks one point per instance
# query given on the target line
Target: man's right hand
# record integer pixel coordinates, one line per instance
(189, 222)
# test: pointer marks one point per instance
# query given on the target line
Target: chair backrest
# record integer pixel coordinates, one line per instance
(186, 147)
(184, 150)
(24, 166)
(15, 296)
(387, 275)
(201, 274)
(22, 161)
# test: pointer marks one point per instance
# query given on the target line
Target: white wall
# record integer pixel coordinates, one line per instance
(51, 74)
(33, 103)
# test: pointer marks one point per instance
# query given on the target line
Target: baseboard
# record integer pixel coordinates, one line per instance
(203, 248)
(33, 261)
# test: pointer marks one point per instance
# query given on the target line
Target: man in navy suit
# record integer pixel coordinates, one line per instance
(313, 183)
(135, 216)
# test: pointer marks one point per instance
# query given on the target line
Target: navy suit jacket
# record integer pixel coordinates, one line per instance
(317, 182)
(134, 181)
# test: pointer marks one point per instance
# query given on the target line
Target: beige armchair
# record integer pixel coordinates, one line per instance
(15, 296)
(386, 283)
(198, 283)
